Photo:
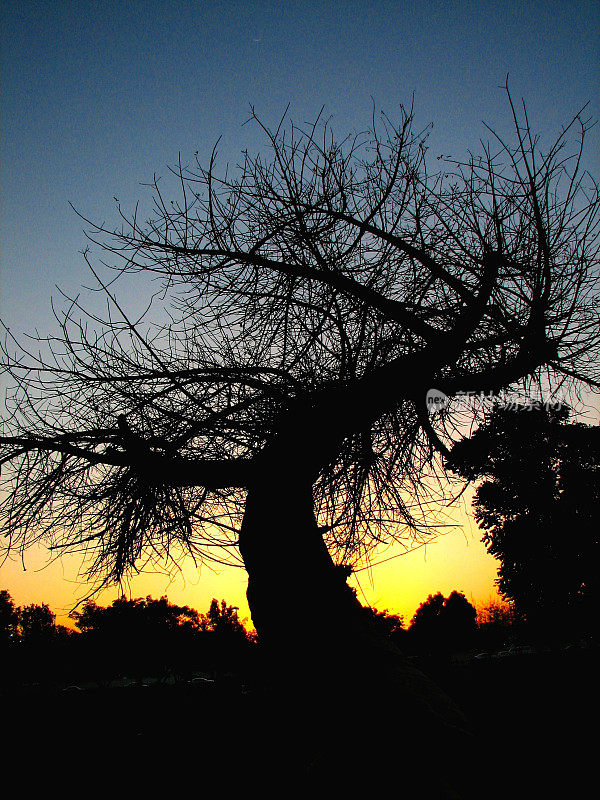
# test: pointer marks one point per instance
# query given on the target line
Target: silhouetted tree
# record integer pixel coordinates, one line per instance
(223, 618)
(444, 623)
(43, 655)
(36, 623)
(390, 624)
(228, 643)
(460, 620)
(539, 508)
(9, 618)
(496, 613)
(140, 613)
(141, 636)
(8, 636)
(496, 622)
(277, 410)
(427, 616)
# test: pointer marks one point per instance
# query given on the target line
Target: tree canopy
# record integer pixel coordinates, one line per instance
(444, 622)
(9, 618)
(36, 622)
(539, 508)
(148, 614)
(223, 619)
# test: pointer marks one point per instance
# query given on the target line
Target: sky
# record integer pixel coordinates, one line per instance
(97, 97)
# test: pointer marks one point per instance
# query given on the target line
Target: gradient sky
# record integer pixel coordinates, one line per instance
(98, 96)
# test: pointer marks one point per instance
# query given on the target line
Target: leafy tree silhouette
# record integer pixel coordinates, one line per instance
(139, 637)
(141, 613)
(495, 613)
(9, 618)
(270, 405)
(539, 507)
(37, 623)
(34, 648)
(228, 643)
(223, 619)
(390, 624)
(444, 623)
(497, 622)
(460, 620)
(427, 616)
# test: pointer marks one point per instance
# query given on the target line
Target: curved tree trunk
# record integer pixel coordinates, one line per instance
(337, 678)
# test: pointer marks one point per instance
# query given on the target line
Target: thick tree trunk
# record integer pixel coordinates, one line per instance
(337, 678)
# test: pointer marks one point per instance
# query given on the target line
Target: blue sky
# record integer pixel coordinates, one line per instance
(97, 96)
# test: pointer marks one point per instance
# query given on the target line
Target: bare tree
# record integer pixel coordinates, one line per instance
(277, 408)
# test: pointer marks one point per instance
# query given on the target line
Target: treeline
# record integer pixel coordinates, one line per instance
(130, 640)
(444, 626)
(145, 639)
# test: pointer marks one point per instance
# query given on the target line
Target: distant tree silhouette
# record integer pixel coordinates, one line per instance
(39, 651)
(223, 619)
(539, 508)
(139, 637)
(9, 618)
(140, 613)
(444, 623)
(270, 406)
(426, 619)
(497, 623)
(8, 635)
(390, 624)
(36, 623)
(460, 619)
(495, 614)
(228, 643)
(145, 613)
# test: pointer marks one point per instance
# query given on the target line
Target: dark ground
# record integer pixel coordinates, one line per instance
(532, 716)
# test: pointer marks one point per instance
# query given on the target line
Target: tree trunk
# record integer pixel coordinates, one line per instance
(335, 678)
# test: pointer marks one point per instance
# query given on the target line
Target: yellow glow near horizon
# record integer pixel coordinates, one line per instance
(397, 582)
(59, 584)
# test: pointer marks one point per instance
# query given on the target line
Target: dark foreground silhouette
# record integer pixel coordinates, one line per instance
(528, 716)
